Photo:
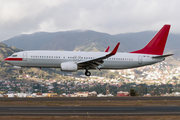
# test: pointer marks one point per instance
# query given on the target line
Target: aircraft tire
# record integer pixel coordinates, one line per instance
(87, 73)
(20, 71)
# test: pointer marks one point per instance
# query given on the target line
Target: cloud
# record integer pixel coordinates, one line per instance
(110, 16)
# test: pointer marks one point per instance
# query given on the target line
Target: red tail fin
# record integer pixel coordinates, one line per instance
(157, 44)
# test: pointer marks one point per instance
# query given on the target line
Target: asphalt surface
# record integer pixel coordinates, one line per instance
(90, 99)
(90, 111)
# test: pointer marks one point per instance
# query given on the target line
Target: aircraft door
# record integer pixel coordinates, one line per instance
(140, 59)
(24, 56)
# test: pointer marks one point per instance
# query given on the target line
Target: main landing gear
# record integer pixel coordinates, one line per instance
(87, 73)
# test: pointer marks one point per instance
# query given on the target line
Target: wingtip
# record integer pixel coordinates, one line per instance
(107, 49)
(167, 25)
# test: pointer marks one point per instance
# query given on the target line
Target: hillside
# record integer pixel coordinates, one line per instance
(70, 40)
(90, 41)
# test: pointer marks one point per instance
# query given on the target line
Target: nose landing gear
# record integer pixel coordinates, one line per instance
(20, 71)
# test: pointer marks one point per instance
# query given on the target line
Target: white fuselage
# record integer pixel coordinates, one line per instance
(53, 59)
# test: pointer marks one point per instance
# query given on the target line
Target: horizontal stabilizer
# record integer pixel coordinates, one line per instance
(163, 56)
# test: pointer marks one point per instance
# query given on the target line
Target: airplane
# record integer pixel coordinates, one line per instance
(72, 61)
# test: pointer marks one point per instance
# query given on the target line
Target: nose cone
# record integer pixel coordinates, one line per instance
(13, 59)
(5, 59)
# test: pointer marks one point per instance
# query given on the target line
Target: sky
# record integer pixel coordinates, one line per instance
(109, 16)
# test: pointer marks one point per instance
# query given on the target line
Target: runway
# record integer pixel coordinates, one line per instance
(90, 99)
(90, 111)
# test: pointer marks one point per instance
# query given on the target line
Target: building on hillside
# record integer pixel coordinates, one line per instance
(74, 95)
(147, 95)
(39, 95)
(21, 95)
(82, 94)
(92, 94)
(101, 95)
(10, 95)
(122, 94)
(110, 95)
(172, 94)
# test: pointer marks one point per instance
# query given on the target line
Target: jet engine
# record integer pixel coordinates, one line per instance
(69, 66)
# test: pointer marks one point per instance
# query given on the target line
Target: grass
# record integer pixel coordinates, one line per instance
(89, 103)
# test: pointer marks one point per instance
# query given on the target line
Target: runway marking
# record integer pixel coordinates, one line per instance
(69, 109)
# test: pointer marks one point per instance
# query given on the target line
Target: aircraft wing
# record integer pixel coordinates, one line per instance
(93, 63)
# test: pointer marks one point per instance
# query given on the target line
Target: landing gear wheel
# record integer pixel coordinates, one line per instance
(87, 73)
(20, 71)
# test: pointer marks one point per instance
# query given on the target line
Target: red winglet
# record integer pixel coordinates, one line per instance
(115, 50)
(107, 49)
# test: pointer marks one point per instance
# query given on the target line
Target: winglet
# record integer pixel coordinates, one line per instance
(107, 49)
(115, 50)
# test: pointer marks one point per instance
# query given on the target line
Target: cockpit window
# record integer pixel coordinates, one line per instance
(14, 55)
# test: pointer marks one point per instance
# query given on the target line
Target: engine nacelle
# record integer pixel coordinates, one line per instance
(69, 66)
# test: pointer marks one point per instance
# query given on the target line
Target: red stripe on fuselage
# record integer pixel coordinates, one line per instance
(13, 59)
